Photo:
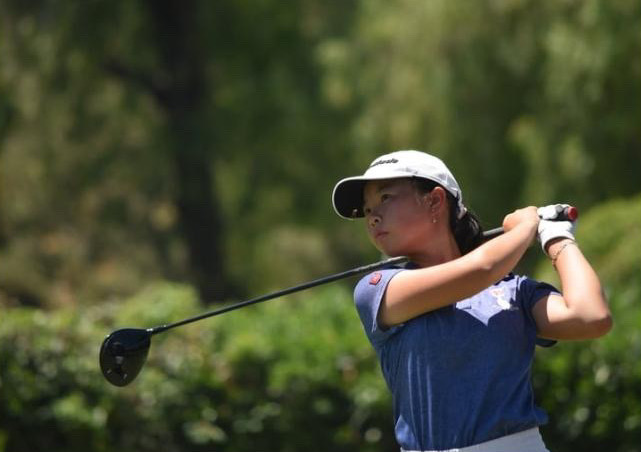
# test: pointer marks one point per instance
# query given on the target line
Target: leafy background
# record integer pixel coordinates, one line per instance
(158, 158)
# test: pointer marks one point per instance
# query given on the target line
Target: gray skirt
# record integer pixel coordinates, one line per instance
(525, 441)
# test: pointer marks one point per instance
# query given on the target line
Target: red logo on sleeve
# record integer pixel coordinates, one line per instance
(376, 278)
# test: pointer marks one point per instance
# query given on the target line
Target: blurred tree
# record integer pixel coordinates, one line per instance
(530, 102)
(85, 199)
(207, 115)
(178, 82)
(202, 140)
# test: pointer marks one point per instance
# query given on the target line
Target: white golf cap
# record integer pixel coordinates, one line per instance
(347, 197)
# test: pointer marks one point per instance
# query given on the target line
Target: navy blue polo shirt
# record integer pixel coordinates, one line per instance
(459, 375)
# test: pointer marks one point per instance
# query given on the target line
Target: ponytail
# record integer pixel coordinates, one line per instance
(467, 230)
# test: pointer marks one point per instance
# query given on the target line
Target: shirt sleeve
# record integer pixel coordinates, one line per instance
(531, 292)
(368, 295)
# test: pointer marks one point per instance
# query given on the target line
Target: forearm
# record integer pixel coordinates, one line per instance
(581, 287)
(499, 256)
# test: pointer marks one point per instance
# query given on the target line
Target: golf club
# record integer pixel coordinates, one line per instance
(124, 351)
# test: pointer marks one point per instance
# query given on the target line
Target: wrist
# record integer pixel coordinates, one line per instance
(555, 249)
(554, 233)
(554, 245)
(531, 226)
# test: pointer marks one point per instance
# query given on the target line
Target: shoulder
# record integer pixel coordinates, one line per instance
(376, 281)
(367, 296)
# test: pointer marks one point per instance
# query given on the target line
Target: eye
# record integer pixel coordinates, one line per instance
(385, 197)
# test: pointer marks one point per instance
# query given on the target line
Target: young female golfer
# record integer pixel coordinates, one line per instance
(455, 330)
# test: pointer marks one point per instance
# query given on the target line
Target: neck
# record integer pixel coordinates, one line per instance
(439, 251)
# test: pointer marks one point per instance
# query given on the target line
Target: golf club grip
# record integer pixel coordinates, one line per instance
(569, 213)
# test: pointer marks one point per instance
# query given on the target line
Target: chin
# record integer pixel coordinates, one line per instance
(394, 252)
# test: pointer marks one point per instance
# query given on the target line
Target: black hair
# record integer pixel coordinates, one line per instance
(467, 230)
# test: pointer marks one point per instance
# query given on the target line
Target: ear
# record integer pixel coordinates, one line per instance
(436, 199)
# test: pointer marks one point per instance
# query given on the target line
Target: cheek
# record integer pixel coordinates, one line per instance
(409, 212)
(415, 224)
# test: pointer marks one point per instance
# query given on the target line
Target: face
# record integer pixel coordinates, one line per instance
(398, 217)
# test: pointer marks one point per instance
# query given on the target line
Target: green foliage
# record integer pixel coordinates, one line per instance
(294, 374)
(528, 101)
(91, 169)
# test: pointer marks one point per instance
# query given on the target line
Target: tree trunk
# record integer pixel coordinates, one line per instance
(183, 92)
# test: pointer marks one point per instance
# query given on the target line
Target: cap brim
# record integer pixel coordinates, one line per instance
(347, 197)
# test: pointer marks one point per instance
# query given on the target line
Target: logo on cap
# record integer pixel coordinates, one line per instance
(383, 162)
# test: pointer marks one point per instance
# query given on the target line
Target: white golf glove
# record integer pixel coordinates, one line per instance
(550, 229)
(551, 212)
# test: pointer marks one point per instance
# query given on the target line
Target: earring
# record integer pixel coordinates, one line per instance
(434, 220)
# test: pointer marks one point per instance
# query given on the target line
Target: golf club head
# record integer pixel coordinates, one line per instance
(123, 353)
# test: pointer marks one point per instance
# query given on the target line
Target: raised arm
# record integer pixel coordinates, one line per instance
(582, 311)
(415, 292)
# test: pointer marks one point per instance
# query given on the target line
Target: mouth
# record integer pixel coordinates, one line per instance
(380, 234)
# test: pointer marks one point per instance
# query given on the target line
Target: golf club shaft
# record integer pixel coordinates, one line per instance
(568, 213)
(280, 293)
(490, 234)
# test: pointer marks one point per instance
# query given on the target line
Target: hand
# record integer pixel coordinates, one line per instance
(549, 229)
(525, 215)
(554, 212)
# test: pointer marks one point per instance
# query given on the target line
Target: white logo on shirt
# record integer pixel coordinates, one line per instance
(501, 301)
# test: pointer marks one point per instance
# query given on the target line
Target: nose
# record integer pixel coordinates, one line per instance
(373, 220)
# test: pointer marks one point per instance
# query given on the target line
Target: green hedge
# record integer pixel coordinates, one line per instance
(288, 375)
